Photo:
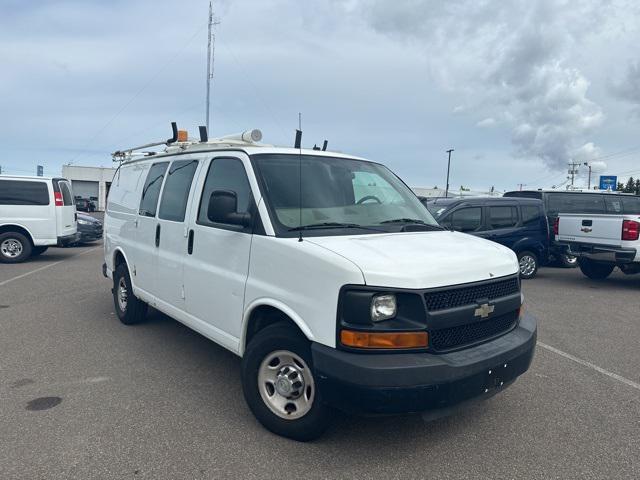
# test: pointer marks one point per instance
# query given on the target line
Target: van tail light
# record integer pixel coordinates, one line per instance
(556, 226)
(630, 230)
(58, 198)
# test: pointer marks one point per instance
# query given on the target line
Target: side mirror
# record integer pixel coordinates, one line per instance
(223, 208)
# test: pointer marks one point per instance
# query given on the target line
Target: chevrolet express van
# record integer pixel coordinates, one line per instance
(35, 214)
(322, 271)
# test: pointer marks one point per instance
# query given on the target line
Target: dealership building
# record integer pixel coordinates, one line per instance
(92, 183)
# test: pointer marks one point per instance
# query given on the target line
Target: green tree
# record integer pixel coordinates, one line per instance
(636, 186)
(630, 186)
(620, 187)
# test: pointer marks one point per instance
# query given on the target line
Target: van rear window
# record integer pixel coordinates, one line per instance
(16, 192)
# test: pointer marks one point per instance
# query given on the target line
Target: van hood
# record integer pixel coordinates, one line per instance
(422, 259)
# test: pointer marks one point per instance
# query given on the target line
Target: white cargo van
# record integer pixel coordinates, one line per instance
(35, 213)
(323, 271)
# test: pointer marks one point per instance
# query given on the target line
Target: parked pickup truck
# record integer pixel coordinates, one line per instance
(601, 242)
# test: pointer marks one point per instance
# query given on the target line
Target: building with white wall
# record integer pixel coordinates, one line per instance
(90, 182)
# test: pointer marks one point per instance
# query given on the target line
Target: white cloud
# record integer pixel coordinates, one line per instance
(487, 122)
(513, 62)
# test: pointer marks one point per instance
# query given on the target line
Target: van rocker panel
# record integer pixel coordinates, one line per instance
(413, 382)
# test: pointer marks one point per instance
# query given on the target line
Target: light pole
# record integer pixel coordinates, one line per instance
(446, 190)
(589, 184)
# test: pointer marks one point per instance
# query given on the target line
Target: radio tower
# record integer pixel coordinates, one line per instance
(211, 46)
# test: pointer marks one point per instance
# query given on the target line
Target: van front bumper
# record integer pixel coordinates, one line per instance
(391, 383)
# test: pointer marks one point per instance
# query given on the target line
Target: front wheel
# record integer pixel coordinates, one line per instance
(595, 270)
(528, 262)
(130, 309)
(279, 384)
(14, 247)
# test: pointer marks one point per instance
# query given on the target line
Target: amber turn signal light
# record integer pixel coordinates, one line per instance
(349, 338)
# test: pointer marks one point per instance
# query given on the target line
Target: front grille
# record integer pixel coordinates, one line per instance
(458, 297)
(453, 337)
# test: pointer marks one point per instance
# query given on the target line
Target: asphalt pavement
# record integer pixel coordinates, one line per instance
(83, 396)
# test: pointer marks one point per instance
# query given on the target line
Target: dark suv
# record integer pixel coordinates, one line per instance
(517, 223)
(559, 201)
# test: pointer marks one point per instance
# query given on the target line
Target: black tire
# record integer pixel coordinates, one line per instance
(132, 310)
(595, 270)
(568, 261)
(528, 263)
(14, 247)
(283, 337)
(39, 250)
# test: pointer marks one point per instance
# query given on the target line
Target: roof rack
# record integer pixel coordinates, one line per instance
(180, 141)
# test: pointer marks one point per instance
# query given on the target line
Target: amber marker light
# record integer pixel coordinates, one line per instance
(183, 135)
(350, 338)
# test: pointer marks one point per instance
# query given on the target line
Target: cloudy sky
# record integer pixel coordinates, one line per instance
(517, 88)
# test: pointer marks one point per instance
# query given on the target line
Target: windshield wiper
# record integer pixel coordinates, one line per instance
(414, 221)
(314, 226)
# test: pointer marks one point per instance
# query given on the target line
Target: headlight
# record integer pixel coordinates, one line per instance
(83, 222)
(383, 307)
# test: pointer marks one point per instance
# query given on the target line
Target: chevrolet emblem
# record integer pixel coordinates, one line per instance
(484, 310)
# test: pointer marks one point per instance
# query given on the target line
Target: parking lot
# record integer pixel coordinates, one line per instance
(158, 400)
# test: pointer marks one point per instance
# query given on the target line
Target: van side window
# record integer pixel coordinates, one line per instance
(151, 190)
(225, 174)
(14, 192)
(530, 214)
(503, 217)
(176, 190)
(466, 219)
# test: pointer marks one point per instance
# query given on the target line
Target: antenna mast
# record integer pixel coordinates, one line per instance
(211, 46)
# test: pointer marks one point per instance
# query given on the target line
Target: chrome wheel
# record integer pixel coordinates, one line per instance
(123, 294)
(11, 248)
(527, 265)
(286, 384)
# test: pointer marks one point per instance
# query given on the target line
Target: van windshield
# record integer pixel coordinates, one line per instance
(339, 196)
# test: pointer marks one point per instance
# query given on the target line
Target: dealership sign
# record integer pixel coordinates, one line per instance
(608, 182)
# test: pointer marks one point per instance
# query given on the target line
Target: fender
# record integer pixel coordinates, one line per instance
(270, 302)
(113, 263)
(13, 224)
(529, 243)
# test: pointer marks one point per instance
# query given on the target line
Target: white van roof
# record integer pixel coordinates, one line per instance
(247, 142)
(24, 177)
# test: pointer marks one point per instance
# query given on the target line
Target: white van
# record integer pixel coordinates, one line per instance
(35, 213)
(323, 271)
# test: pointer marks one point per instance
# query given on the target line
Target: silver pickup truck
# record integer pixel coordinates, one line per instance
(601, 242)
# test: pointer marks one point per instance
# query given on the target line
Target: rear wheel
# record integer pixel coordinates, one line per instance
(130, 309)
(14, 247)
(595, 270)
(39, 250)
(528, 262)
(279, 384)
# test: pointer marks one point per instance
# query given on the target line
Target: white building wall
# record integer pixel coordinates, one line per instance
(100, 175)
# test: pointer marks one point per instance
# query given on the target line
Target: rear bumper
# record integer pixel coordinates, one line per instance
(602, 253)
(414, 382)
(67, 240)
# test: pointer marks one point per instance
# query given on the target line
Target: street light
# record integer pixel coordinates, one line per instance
(446, 191)
(589, 184)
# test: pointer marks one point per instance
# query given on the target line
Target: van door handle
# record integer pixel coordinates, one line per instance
(190, 243)
(158, 235)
